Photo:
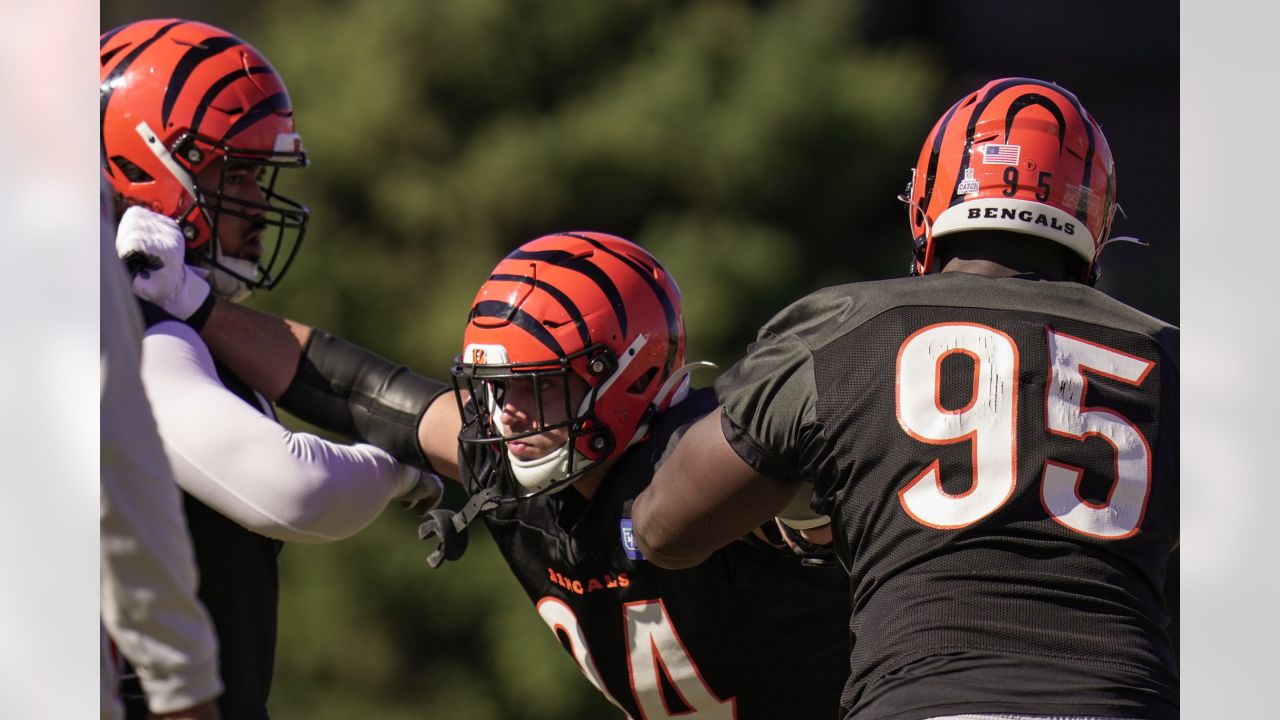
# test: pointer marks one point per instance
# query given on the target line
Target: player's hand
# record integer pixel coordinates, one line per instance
(153, 248)
(425, 494)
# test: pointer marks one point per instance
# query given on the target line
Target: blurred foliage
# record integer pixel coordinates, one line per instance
(745, 144)
(755, 147)
(717, 134)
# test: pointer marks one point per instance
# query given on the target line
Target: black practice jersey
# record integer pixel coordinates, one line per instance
(750, 633)
(239, 587)
(1000, 459)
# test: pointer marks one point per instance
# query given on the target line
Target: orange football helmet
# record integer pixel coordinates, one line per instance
(177, 96)
(583, 303)
(1018, 154)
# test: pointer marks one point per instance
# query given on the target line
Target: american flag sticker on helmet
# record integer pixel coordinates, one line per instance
(1000, 154)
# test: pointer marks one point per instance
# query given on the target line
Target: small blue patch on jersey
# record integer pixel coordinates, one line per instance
(629, 540)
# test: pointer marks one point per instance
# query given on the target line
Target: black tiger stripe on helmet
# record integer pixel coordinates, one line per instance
(565, 301)
(187, 64)
(206, 101)
(579, 263)
(109, 83)
(521, 319)
(647, 274)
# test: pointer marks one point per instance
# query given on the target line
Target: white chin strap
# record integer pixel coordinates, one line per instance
(224, 284)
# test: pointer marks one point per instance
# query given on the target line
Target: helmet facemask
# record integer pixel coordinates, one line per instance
(551, 406)
(231, 276)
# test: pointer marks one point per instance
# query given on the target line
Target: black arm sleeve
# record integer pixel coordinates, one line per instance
(344, 388)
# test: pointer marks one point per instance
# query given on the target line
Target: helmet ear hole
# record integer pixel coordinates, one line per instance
(642, 383)
(131, 171)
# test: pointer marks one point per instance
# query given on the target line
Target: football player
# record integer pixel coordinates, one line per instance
(571, 385)
(995, 441)
(196, 125)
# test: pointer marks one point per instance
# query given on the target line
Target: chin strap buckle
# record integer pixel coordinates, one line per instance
(451, 527)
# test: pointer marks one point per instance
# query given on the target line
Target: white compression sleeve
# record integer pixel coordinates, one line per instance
(291, 486)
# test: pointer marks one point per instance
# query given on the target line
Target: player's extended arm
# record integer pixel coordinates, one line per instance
(339, 386)
(261, 349)
(702, 498)
(291, 486)
(345, 388)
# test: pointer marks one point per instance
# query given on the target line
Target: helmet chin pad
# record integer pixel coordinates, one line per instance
(549, 473)
(226, 279)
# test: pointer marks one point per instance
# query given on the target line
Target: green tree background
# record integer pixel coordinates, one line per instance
(755, 147)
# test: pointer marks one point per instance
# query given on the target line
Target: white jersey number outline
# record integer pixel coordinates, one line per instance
(653, 647)
(989, 423)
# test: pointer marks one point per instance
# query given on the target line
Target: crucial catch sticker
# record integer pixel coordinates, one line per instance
(629, 540)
